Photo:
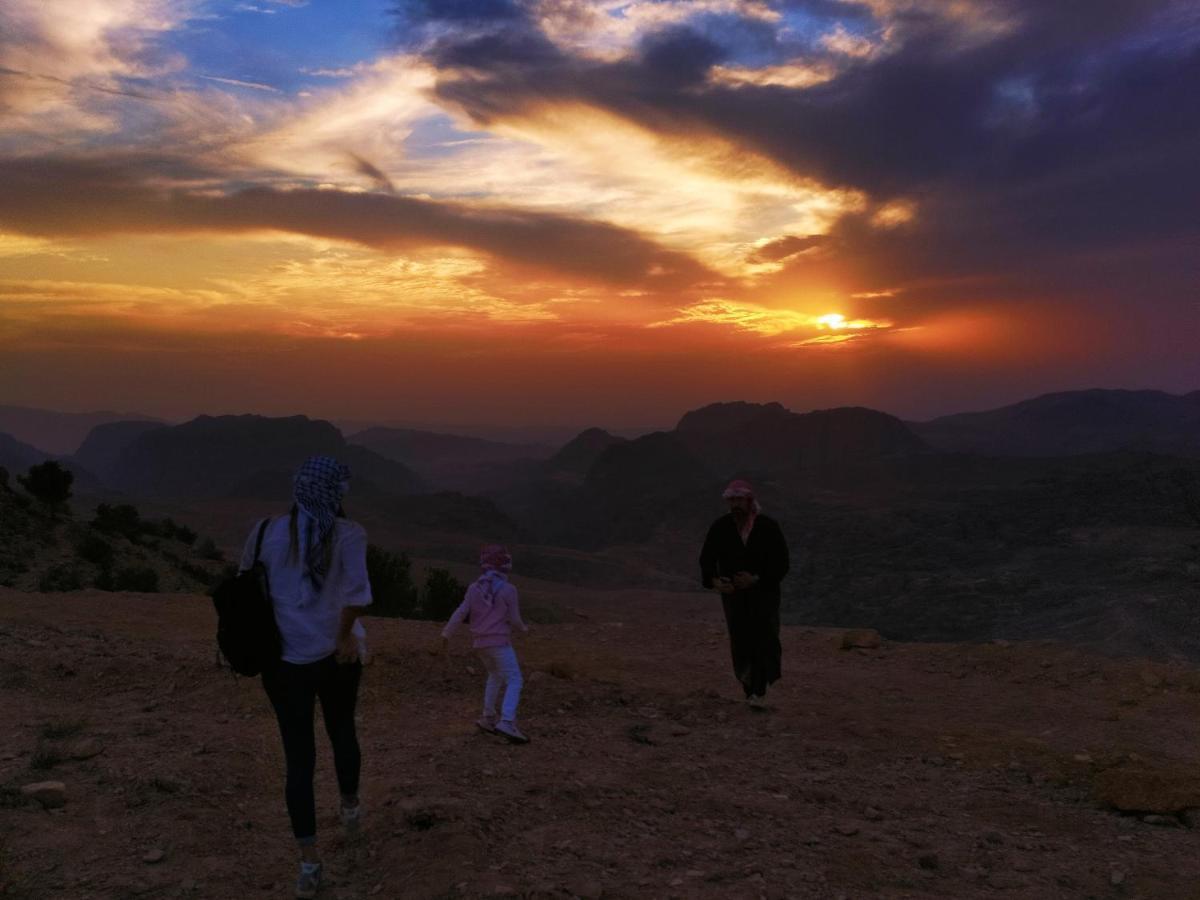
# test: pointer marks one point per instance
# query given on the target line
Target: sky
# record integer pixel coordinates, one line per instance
(569, 212)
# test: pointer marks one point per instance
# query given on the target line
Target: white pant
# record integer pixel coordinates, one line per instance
(503, 670)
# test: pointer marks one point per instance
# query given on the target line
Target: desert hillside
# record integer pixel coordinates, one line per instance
(1029, 770)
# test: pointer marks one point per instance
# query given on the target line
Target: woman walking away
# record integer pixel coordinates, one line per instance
(316, 563)
(744, 559)
(492, 609)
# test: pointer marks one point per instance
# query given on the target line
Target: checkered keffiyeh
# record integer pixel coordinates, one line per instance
(496, 562)
(319, 487)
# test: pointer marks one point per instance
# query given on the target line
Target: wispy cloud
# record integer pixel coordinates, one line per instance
(254, 85)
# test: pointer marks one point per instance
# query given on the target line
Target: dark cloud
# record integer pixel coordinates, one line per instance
(63, 197)
(364, 167)
(678, 57)
(785, 247)
(1074, 131)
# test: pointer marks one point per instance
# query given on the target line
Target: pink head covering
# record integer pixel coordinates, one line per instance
(495, 558)
(740, 488)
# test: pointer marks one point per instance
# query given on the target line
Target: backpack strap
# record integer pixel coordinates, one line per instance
(262, 530)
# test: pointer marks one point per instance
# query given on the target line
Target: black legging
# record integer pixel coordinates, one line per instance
(292, 690)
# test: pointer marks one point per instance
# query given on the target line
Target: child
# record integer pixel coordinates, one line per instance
(491, 607)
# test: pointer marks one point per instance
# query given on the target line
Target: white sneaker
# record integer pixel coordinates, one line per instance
(511, 733)
(308, 881)
(352, 819)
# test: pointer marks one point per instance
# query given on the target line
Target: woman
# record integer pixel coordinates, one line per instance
(316, 563)
(744, 559)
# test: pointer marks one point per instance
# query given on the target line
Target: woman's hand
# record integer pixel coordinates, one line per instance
(723, 585)
(347, 649)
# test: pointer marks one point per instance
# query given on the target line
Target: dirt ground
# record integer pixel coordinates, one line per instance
(913, 771)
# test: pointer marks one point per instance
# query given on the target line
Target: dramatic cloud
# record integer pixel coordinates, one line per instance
(856, 199)
(49, 197)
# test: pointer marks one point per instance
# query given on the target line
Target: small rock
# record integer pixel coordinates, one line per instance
(86, 749)
(155, 855)
(864, 638)
(847, 829)
(872, 814)
(1161, 821)
(51, 794)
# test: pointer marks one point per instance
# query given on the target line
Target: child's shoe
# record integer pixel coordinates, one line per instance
(308, 881)
(511, 733)
(486, 724)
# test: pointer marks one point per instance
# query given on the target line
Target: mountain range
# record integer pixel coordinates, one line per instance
(1081, 501)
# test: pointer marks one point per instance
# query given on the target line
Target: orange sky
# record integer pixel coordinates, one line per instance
(660, 205)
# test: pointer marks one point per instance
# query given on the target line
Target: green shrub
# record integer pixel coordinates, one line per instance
(136, 578)
(208, 549)
(49, 482)
(121, 519)
(392, 588)
(94, 549)
(60, 577)
(171, 529)
(443, 592)
(197, 573)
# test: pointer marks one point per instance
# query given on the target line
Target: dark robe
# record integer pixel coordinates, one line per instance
(752, 615)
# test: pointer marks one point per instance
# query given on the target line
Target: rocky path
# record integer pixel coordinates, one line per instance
(913, 771)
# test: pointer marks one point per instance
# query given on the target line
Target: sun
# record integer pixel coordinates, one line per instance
(833, 321)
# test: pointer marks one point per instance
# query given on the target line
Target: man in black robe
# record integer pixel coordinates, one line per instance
(744, 559)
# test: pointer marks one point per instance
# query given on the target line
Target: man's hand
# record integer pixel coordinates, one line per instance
(347, 649)
(723, 585)
(744, 580)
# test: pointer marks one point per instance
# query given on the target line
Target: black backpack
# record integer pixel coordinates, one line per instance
(247, 634)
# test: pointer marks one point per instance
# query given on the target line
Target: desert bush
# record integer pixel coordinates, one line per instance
(197, 573)
(172, 530)
(135, 578)
(121, 519)
(49, 482)
(392, 588)
(94, 549)
(208, 549)
(441, 596)
(60, 577)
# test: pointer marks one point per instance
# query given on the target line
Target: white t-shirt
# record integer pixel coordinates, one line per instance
(309, 619)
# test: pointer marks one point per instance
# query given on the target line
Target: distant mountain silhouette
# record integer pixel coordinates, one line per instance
(449, 461)
(246, 456)
(579, 454)
(102, 448)
(1073, 423)
(58, 433)
(768, 440)
(17, 456)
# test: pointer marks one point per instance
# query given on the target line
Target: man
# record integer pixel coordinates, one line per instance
(744, 559)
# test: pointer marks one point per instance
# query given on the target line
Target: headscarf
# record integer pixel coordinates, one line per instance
(740, 488)
(318, 489)
(496, 562)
